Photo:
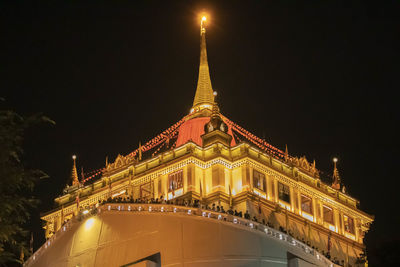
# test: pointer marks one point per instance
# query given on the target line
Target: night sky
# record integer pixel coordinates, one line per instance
(319, 76)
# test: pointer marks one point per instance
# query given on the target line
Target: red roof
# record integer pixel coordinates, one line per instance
(193, 129)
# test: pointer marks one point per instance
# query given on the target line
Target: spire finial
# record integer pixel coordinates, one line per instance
(74, 173)
(204, 93)
(215, 108)
(202, 27)
(336, 177)
(286, 154)
(140, 151)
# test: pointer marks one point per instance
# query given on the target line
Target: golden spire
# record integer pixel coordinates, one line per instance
(74, 173)
(336, 177)
(204, 92)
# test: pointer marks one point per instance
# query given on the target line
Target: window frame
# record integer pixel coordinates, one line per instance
(323, 215)
(350, 231)
(263, 183)
(301, 204)
(177, 179)
(283, 194)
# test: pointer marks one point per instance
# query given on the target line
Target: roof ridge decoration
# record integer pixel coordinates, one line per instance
(204, 97)
(154, 145)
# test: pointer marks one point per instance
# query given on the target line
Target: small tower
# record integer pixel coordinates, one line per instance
(216, 129)
(74, 173)
(336, 177)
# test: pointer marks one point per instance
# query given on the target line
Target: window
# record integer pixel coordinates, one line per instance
(259, 181)
(328, 214)
(348, 224)
(284, 192)
(306, 204)
(175, 181)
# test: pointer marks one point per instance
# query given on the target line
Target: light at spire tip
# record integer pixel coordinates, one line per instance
(335, 160)
(202, 28)
(73, 157)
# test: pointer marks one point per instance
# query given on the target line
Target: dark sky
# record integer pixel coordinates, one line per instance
(319, 76)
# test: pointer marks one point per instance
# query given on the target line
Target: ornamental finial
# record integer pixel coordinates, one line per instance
(74, 173)
(202, 27)
(336, 177)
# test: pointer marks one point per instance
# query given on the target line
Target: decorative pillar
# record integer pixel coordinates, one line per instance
(357, 228)
(245, 175)
(155, 187)
(250, 179)
(336, 219)
(58, 223)
(164, 185)
(190, 178)
(269, 184)
(185, 182)
(314, 208)
(292, 199)
(321, 212)
(299, 201)
(341, 223)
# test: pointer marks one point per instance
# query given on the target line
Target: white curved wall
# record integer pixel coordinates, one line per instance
(115, 238)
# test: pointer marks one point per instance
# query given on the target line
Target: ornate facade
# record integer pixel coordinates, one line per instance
(207, 159)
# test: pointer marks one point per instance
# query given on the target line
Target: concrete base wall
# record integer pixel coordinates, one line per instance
(117, 239)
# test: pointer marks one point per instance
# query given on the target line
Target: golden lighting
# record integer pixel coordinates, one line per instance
(177, 193)
(307, 216)
(73, 157)
(259, 193)
(203, 20)
(335, 160)
(283, 205)
(332, 227)
(118, 194)
(348, 235)
(89, 223)
(233, 192)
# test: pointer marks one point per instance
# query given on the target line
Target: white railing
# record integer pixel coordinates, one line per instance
(182, 210)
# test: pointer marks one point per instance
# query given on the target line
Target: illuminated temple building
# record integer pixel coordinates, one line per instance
(204, 192)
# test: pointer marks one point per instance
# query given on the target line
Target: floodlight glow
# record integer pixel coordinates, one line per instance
(89, 223)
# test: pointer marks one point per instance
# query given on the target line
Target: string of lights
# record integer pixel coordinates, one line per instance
(262, 144)
(92, 176)
(159, 138)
